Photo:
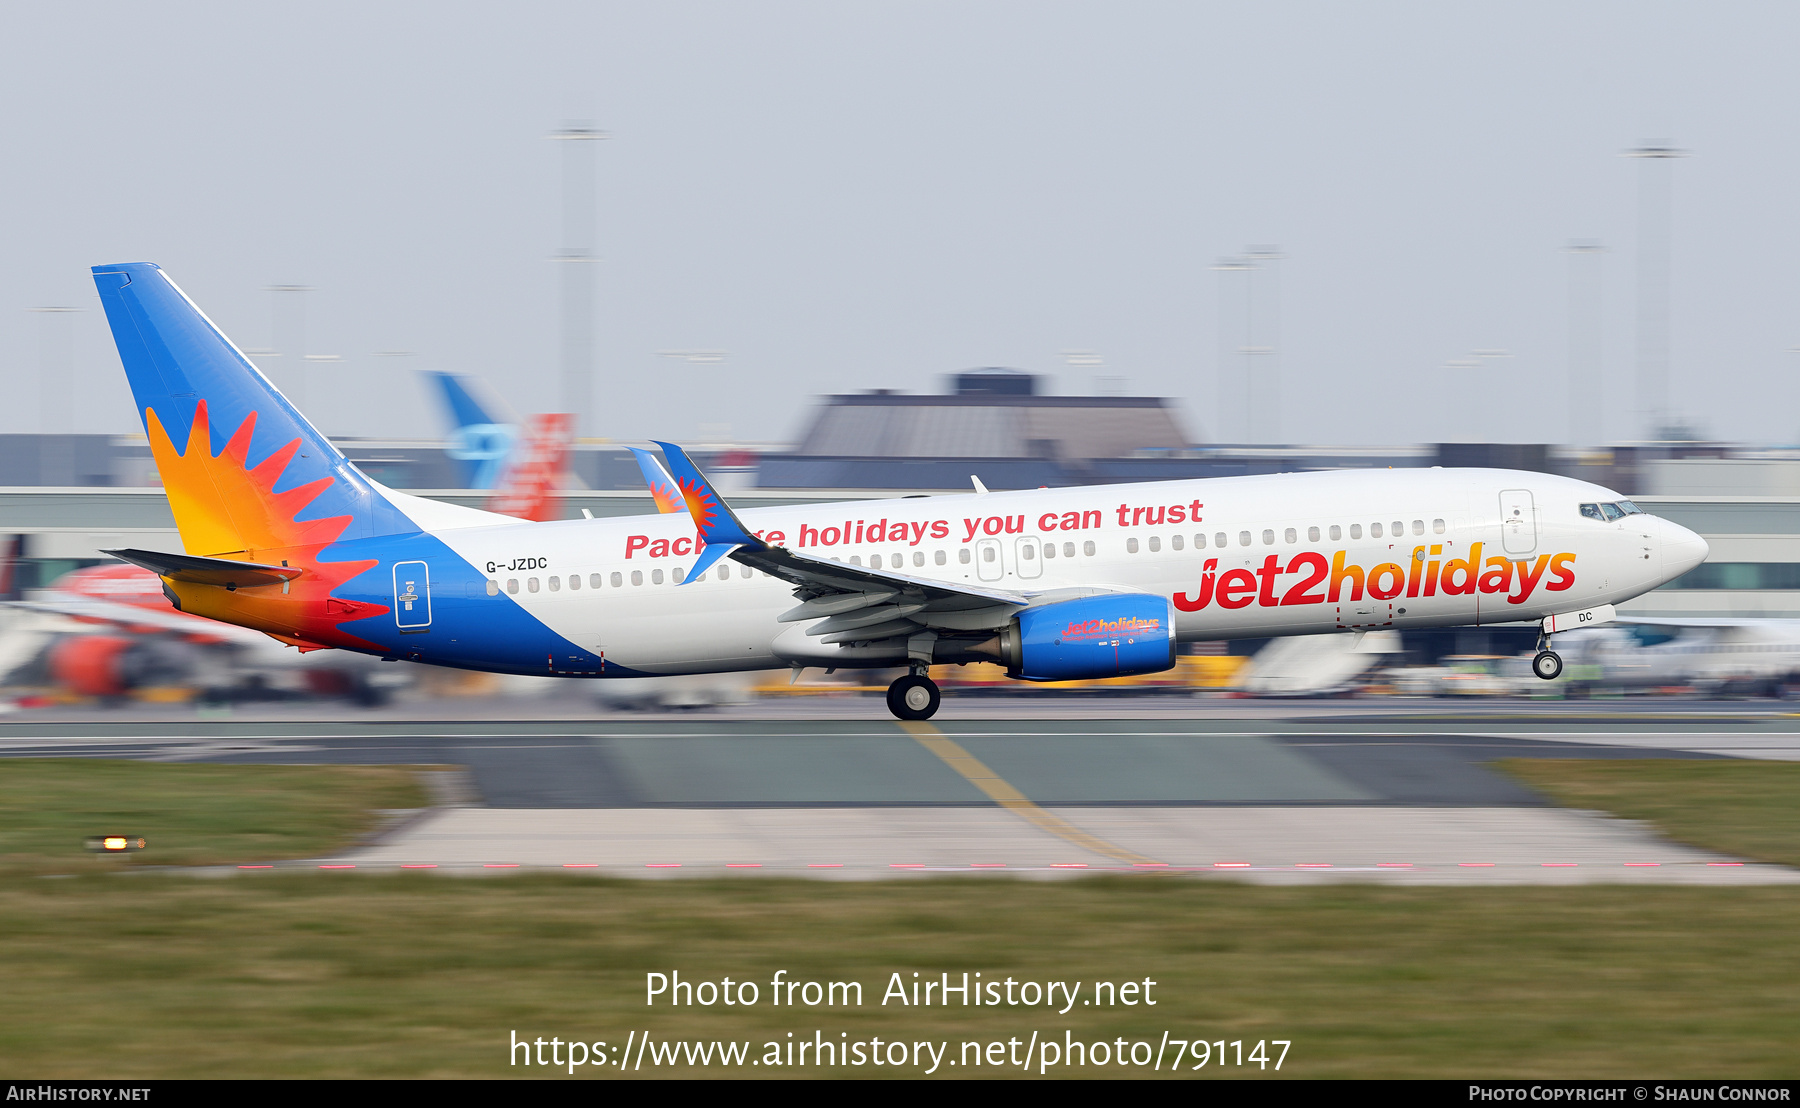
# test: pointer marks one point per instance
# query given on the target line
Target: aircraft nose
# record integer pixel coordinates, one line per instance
(1682, 550)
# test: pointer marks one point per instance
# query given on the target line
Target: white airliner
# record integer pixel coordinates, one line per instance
(283, 535)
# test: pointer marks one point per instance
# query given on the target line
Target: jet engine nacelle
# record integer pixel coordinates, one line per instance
(1113, 635)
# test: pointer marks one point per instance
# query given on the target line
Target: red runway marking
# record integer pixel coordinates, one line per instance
(1643, 863)
(1724, 863)
(1068, 865)
(581, 865)
(418, 865)
(906, 865)
(1393, 865)
(987, 865)
(1231, 865)
(1312, 865)
(1150, 865)
(256, 867)
(345, 866)
(662, 865)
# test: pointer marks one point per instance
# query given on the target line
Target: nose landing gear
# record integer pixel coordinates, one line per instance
(914, 696)
(1548, 664)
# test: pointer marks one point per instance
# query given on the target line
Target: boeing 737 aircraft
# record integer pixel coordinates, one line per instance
(283, 535)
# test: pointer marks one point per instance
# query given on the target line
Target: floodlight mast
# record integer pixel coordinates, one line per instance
(577, 258)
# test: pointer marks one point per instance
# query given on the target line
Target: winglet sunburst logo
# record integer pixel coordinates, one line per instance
(702, 506)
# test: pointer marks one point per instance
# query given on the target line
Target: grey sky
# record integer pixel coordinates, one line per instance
(846, 196)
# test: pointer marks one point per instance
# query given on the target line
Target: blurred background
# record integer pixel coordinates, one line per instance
(869, 251)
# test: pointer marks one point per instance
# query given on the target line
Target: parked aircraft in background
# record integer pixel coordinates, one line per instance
(1736, 655)
(284, 535)
(524, 471)
(479, 438)
(108, 631)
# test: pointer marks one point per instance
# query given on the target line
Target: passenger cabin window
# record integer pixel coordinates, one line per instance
(963, 555)
(1219, 540)
(1592, 511)
(1268, 537)
(1088, 548)
(512, 585)
(531, 584)
(1175, 542)
(1418, 527)
(1200, 542)
(574, 580)
(1374, 530)
(988, 553)
(594, 580)
(1131, 546)
(1356, 530)
(617, 580)
(656, 577)
(918, 557)
(493, 588)
(1399, 529)
(1336, 532)
(1069, 550)
(938, 557)
(1437, 526)
(724, 573)
(1312, 534)
(744, 572)
(677, 574)
(1155, 544)
(555, 584)
(1290, 536)
(1612, 511)
(637, 576)
(1049, 550)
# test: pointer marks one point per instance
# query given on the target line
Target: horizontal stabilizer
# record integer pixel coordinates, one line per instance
(207, 571)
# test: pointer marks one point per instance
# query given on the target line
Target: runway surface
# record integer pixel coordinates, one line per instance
(1268, 792)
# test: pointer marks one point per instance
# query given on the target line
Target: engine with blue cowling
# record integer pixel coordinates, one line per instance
(1112, 635)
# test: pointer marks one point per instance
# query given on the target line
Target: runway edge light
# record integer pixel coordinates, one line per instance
(116, 844)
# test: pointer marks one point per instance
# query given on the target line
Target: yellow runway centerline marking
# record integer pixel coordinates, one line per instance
(1001, 792)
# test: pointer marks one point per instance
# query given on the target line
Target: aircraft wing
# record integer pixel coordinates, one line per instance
(855, 603)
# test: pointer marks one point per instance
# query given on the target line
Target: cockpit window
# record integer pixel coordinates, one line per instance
(1613, 511)
(1592, 511)
(1630, 509)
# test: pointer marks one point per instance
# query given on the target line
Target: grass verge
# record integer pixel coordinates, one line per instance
(360, 976)
(191, 814)
(1747, 809)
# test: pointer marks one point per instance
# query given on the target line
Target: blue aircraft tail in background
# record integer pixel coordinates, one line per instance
(477, 438)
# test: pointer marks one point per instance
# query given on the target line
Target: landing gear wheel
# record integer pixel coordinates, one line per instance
(1547, 665)
(913, 697)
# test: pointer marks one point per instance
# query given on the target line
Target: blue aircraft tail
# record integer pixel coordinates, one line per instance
(478, 439)
(243, 468)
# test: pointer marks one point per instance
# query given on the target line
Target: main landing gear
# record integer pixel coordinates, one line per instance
(914, 696)
(1548, 663)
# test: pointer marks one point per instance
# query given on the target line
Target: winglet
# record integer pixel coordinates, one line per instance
(720, 529)
(662, 486)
